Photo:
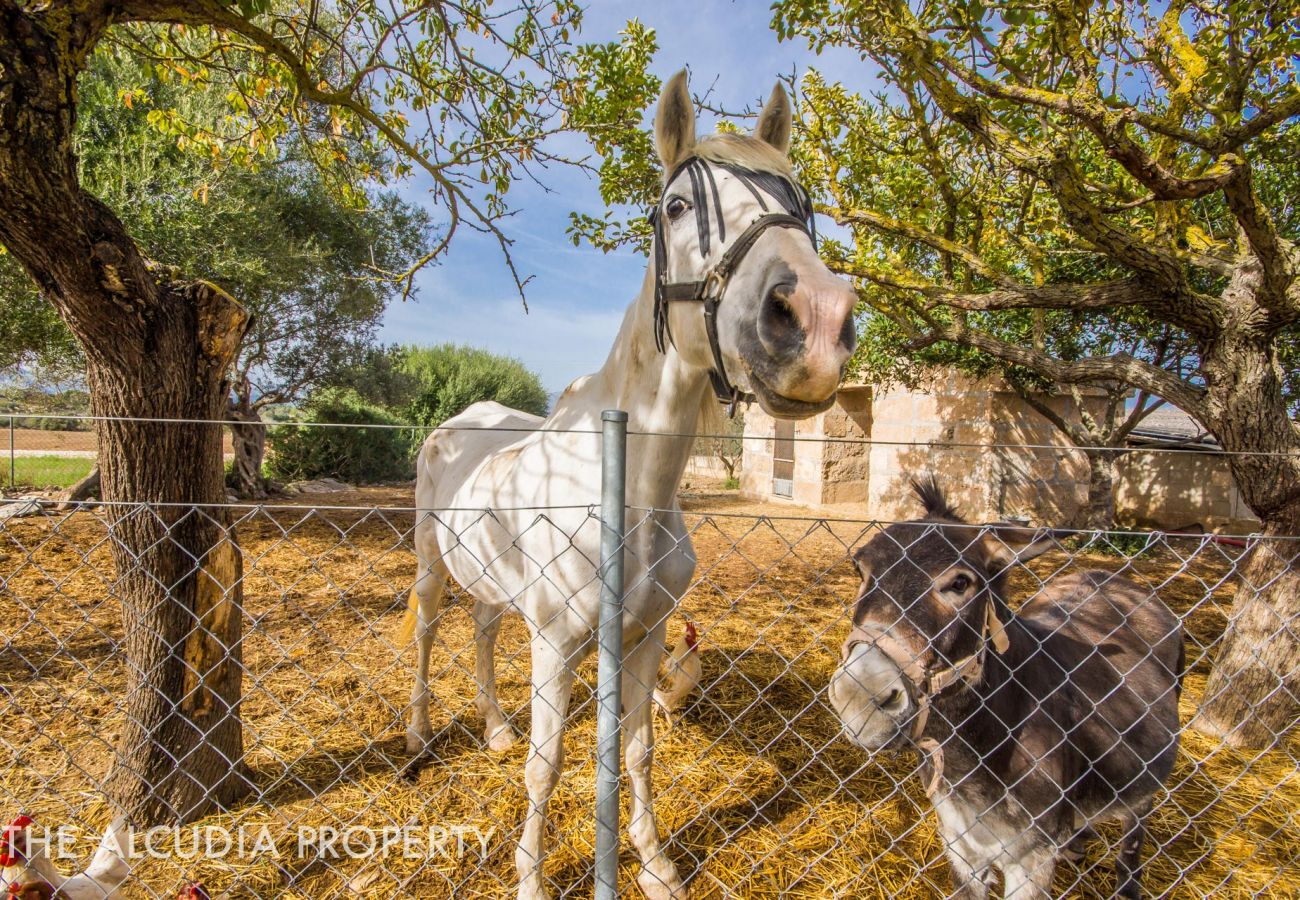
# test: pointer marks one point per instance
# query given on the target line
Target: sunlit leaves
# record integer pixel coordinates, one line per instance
(465, 95)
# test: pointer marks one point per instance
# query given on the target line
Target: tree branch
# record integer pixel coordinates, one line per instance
(1275, 254)
(1119, 367)
(912, 232)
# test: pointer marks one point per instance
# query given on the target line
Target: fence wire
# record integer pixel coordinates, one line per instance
(767, 782)
(758, 792)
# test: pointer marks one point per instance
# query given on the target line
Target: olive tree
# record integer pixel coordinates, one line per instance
(461, 94)
(1152, 148)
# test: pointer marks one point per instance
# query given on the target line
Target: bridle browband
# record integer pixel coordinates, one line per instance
(929, 681)
(709, 291)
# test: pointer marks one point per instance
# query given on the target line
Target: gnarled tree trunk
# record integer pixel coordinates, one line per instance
(1252, 697)
(248, 435)
(155, 348)
(1098, 511)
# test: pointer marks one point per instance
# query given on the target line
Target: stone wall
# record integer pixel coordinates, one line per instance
(825, 472)
(982, 442)
(995, 456)
(1172, 490)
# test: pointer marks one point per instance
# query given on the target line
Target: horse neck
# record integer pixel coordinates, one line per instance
(662, 395)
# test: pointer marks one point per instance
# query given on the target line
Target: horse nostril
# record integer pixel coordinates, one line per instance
(779, 325)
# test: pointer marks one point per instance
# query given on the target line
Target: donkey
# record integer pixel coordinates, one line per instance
(1032, 726)
(736, 299)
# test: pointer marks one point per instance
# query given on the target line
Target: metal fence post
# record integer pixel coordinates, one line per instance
(609, 677)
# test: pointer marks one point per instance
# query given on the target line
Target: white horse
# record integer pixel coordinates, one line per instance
(733, 247)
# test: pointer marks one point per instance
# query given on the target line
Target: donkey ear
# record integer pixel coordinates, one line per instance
(1005, 544)
(774, 122)
(675, 122)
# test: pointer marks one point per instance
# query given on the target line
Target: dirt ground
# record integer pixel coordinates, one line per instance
(757, 792)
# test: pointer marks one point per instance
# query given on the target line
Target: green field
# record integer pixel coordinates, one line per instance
(45, 471)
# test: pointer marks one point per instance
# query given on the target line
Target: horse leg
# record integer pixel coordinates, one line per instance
(427, 593)
(553, 675)
(658, 879)
(497, 732)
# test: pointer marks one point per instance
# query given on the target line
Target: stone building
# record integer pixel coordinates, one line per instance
(996, 456)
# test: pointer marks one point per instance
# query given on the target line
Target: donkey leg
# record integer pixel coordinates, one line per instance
(1030, 876)
(1128, 864)
(428, 593)
(658, 879)
(969, 881)
(497, 732)
(553, 674)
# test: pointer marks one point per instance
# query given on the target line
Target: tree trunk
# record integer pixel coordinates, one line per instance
(179, 569)
(154, 349)
(250, 450)
(1251, 697)
(1253, 694)
(1098, 511)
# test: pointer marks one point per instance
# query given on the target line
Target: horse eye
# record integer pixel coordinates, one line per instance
(677, 206)
(959, 584)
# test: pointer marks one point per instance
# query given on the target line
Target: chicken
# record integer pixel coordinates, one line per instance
(682, 674)
(193, 890)
(32, 890)
(30, 874)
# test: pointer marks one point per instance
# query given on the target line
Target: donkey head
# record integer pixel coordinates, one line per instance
(930, 607)
(740, 290)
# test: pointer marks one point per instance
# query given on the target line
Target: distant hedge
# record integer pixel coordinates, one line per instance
(355, 455)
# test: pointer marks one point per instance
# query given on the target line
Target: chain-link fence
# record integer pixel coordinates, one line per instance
(757, 790)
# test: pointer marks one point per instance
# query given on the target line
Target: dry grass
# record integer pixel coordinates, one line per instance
(760, 796)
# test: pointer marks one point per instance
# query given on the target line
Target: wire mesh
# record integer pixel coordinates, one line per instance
(757, 790)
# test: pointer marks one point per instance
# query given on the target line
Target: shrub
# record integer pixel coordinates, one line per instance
(448, 378)
(356, 455)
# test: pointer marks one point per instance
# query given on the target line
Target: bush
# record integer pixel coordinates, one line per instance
(448, 378)
(355, 455)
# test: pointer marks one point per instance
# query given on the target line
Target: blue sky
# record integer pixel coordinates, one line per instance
(577, 295)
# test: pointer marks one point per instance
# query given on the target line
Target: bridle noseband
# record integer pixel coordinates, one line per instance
(929, 681)
(709, 291)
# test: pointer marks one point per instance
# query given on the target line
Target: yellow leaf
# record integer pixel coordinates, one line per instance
(1197, 239)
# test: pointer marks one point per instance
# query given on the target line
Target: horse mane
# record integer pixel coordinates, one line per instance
(711, 419)
(745, 151)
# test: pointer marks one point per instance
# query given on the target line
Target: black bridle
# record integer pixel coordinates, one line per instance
(798, 214)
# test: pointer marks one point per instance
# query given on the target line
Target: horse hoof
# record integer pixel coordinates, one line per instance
(664, 884)
(501, 740)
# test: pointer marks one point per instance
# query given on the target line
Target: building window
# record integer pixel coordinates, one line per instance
(783, 459)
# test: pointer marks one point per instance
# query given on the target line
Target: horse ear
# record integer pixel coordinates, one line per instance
(1006, 544)
(774, 122)
(675, 122)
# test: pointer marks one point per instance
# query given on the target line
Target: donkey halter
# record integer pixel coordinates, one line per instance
(929, 681)
(710, 290)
